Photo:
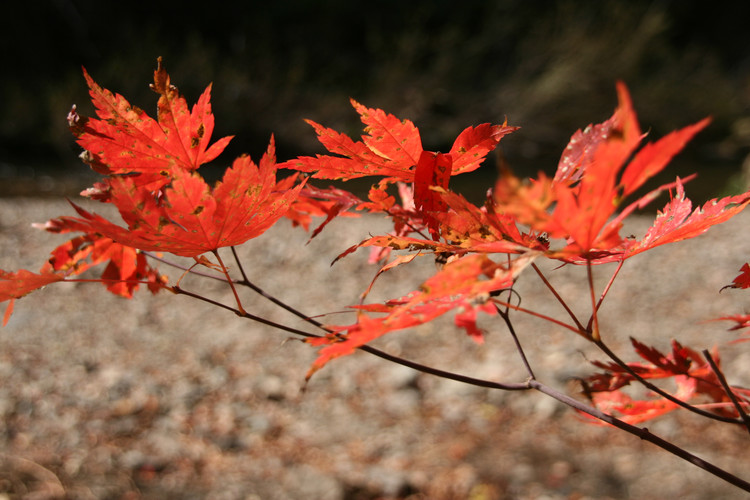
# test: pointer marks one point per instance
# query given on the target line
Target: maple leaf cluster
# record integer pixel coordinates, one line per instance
(574, 217)
(150, 175)
(695, 380)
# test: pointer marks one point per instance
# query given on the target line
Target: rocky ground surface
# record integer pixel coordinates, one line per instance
(167, 397)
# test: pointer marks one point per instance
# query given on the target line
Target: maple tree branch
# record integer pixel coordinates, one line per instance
(661, 392)
(727, 388)
(532, 383)
(520, 386)
(642, 433)
(242, 313)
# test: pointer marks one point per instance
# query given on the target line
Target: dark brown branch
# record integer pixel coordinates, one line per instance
(521, 386)
(531, 383)
(642, 433)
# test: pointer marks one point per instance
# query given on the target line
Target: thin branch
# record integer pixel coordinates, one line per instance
(183, 268)
(506, 317)
(181, 291)
(246, 282)
(727, 388)
(521, 386)
(239, 265)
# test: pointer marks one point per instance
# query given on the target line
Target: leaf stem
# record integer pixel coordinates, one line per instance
(594, 320)
(606, 289)
(230, 281)
(539, 315)
(581, 330)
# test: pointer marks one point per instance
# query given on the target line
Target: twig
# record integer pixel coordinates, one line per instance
(506, 317)
(727, 389)
(246, 282)
(539, 315)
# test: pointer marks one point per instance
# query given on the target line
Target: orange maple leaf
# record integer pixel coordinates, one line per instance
(126, 267)
(191, 218)
(126, 140)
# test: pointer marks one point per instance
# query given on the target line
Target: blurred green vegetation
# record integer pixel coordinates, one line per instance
(549, 67)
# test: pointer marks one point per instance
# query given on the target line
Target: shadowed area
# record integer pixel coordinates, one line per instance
(548, 67)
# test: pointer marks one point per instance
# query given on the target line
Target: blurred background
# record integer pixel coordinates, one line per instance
(131, 413)
(549, 67)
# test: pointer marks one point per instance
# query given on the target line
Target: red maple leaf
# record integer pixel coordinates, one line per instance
(599, 169)
(191, 218)
(391, 148)
(741, 320)
(743, 279)
(635, 411)
(312, 201)
(16, 285)
(691, 372)
(585, 206)
(433, 170)
(676, 222)
(126, 267)
(125, 139)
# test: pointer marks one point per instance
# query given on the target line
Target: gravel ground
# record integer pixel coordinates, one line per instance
(166, 397)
